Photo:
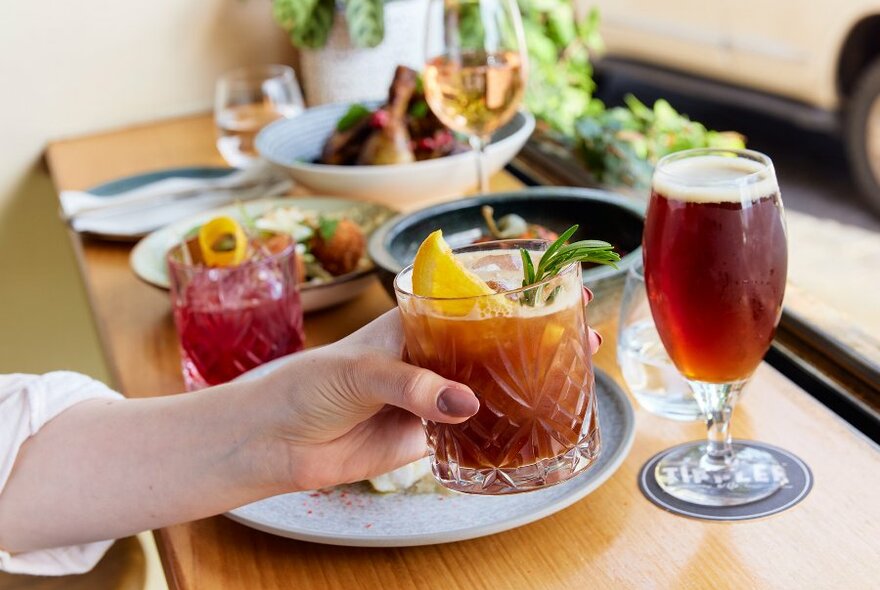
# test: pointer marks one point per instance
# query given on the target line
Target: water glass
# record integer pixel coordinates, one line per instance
(248, 99)
(647, 369)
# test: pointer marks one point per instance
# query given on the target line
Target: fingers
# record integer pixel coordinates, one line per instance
(595, 341)
(385, 332)
(420, 391)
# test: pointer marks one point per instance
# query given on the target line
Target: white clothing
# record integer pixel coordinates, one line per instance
(27, 402)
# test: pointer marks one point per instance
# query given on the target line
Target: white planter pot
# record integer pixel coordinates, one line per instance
(341, 72)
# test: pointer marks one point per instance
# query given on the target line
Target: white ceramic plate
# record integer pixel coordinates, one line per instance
(353, 515)
(295, 144)
(148, 256)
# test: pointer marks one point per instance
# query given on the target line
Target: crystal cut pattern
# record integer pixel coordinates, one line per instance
(537, 424)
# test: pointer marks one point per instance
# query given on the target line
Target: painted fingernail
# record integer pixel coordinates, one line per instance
(457, 403)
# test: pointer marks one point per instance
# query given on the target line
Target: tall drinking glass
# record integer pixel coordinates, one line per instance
(525, 353)
(476, 70)
(715, 267)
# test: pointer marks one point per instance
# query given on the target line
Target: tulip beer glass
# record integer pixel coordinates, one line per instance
(715, 266)
(525, 353)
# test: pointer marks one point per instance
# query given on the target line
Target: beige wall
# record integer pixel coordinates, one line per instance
(70, 67)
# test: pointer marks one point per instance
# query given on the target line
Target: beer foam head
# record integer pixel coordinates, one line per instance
(715, 179)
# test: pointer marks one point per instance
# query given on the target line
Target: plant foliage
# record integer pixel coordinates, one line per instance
(620, 145)
(308, 22)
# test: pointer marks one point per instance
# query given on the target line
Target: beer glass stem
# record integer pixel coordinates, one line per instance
(717, 401)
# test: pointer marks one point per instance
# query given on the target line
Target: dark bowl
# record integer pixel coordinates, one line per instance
(601, 215)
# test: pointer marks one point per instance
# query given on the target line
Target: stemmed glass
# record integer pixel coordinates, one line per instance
(476, 68)
(715, 267)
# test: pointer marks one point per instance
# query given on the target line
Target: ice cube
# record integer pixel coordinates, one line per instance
(497, 262)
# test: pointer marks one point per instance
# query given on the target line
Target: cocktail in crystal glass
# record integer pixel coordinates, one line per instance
(232, 319)
(525, 353)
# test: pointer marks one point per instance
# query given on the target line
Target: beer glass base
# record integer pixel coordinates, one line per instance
(495, 481)
(688, 474)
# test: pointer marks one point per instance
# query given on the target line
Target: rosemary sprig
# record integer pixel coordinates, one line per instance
(558, 256)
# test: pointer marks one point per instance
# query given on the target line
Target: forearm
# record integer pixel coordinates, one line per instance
(106, 469)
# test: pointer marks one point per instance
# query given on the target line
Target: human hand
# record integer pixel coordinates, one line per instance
(353, 409)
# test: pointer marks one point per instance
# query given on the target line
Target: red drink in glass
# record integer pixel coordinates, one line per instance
(232, 319)
(715, 268)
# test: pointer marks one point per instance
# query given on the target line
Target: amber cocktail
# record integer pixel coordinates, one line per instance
(525, 353)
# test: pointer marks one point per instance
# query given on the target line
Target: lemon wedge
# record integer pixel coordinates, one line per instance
(222, 242)
(437, 273)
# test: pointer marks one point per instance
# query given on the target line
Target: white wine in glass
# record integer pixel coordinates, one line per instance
(475, 74)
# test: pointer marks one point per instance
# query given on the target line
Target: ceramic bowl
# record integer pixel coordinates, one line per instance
(601, 215)
(295, 144)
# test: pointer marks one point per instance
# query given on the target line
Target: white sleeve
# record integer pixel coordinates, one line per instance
(27, 402)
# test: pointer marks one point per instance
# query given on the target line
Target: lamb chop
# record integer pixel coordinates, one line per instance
(389, 142)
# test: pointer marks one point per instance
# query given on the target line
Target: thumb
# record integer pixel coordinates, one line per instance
(420, 391)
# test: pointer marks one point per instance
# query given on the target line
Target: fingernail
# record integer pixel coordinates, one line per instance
(599, 336)
(588, 296)
(457, 403)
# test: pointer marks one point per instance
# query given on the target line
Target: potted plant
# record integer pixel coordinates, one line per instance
(350, 48)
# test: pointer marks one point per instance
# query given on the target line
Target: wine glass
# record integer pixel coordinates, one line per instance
(476, 68)
(248, 99)
(716, 259)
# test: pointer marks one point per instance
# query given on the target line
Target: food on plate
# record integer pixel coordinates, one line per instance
(513, 227)
(338, 245)
(224, 242)
(415, 476)
(328, 244)
(401, 131)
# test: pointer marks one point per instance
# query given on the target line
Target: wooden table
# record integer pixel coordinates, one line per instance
(612, 538)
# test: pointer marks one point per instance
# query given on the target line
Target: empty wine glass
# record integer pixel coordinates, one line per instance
(476, 68)
(248, 99)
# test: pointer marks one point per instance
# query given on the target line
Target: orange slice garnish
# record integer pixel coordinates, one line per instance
(437, 273)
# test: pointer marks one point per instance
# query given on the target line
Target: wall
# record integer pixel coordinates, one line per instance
(70, 67)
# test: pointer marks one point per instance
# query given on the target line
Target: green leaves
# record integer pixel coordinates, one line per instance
(558, 256)
(327, 227)
(352, 117)
(366, 21)
(308, 22)
(621, 145)
(561, 79)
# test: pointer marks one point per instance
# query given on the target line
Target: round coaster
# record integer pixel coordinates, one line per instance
(800, 482)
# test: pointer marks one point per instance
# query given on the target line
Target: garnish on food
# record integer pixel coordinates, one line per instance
(512, 226)
(327, 245)
(558, 256)
(401, 131)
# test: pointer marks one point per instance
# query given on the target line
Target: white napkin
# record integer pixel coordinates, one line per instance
(149, 207)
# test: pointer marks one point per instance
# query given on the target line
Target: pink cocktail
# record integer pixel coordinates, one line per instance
(232, 319)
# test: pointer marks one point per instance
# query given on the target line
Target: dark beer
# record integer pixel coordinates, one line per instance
(715, 264)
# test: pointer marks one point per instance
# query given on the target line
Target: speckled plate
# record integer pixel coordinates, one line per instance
(353, 515)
